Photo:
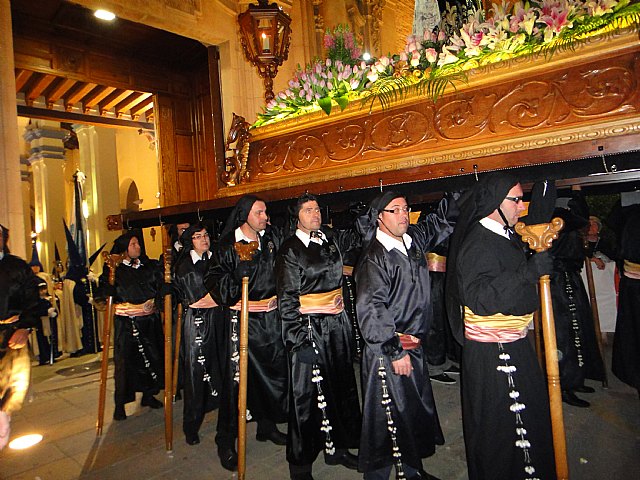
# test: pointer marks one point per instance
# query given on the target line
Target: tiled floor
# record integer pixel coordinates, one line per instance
(603, 441)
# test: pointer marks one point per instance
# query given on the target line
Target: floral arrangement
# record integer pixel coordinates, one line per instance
(431, 63)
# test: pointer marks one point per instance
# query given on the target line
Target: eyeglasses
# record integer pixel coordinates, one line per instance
(397, 210)
(515, 200)
(200, 236)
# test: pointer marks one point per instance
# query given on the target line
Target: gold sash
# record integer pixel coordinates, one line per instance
(347, 270)
(329, 303)
(264, 305)
(495, 328)
(127, 309)
(632, 270)
(436, 263)
(9, 320)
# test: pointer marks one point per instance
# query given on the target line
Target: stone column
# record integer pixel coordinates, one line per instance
(47, 165)
(11, 207)
(98, 161)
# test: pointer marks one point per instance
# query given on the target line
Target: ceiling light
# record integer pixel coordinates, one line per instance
(105, 15)
(25, 441)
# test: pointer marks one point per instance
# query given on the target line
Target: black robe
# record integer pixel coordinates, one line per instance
(131, 375)
(626, 341)
(315, 269)
(394, 296)
(203, 346)
(578, 353)
(491, 275)
(19, 295)
(267, 367)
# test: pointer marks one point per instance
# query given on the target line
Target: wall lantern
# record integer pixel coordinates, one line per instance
(265, 35)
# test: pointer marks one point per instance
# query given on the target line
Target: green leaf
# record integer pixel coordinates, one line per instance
(325, 105)
(342, 101)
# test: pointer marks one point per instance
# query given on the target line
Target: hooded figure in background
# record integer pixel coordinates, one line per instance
(491, 296)
(138, 337)
(578, 353)
(394, 311)
(203, 332)
(46, 333)
(19, 311)
(267, 370)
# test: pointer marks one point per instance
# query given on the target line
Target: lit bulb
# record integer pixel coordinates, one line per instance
(104, 15)
(366, 56)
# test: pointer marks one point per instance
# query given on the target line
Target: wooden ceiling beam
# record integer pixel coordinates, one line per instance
(57, 90)
(79, 91)
(22, 77)
(113, 99)
(131, 101)
(142, 107)
(38, 88)
(96, 95)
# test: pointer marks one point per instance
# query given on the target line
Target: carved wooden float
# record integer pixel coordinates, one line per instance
(517, 113)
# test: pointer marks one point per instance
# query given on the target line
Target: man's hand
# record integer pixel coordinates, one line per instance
(599, 263)
(402, 366)
(19, 338)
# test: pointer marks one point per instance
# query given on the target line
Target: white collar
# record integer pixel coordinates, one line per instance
(177, 246)
(306, 238)
(129, 263)
(241, 236)
(494, 226)
(390, 243)
(195, 257)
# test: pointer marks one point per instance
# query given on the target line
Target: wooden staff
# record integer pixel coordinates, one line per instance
(537, 327)
(168, 376)
(176, 355)
(539, 238)
(245, 252)
(596, 316)
(112, 262)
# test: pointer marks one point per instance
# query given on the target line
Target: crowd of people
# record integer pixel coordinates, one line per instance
(412, 302)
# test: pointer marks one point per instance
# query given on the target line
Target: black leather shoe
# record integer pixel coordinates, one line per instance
(584, 389)
(192, 438)
(228, 459)
(274, 436)
(150, 401)
(347, 459)
(570, 398)
(119, 413)
(442, 378)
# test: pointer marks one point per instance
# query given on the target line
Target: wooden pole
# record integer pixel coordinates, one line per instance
(112, 262)
(176, 354)
(245, 253)
(596, 316)
(539, 238)
(537, 332)
(168, 376)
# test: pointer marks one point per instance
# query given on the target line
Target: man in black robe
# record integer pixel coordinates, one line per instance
(202, 332)
(625, 362)
(400, 424)
(19, 311)
(138, 338)
(578, 353)
(505, 407)
(267, 369)
(324, 411)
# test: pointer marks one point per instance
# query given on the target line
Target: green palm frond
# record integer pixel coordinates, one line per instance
(387, 90)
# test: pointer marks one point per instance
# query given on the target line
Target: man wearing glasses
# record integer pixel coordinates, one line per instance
(491, 296)
(267, 370)
(400, 424)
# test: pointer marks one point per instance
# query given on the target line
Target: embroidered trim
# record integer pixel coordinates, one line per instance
(326, 427)
(386, 405)
(353, 315)
(147, 363)
(198, 321)
(516, 407)
(235, 351)
(573, 311)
